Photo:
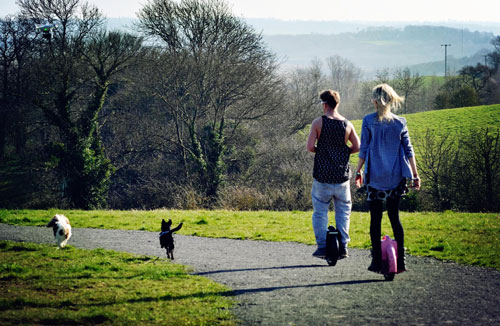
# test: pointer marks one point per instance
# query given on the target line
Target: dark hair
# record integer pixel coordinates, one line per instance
(332, 98)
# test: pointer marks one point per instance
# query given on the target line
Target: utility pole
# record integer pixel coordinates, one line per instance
(445, 58)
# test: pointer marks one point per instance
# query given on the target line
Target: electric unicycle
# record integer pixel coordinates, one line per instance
(389, 257)
(333, 238)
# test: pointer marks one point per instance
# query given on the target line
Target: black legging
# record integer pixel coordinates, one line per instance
(376, 210)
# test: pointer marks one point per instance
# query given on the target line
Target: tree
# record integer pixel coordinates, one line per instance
(407, 85)
(383, 76)
(76, 65)
(464, 96)
(216, 74)
(303, 86)
(436, 167)
(482, 163)
(456, 93)
(476, 77)
(16, 47)
(345, 78)
(462, 171)
(494, 56)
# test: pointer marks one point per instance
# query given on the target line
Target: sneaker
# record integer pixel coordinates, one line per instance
(344, 253)
(320, 253)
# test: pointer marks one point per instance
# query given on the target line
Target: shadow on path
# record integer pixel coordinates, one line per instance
(305, 286)
(258, 269)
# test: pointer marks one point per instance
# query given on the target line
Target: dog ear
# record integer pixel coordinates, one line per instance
(163, 225)
(177, 228)
(169, 223)
(52, 222)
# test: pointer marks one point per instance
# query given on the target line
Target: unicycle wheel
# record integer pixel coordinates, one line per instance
(331, 262)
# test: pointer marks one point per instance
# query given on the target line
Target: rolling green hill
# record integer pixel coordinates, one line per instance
(449, 121)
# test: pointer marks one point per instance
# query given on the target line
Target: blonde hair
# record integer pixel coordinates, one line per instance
(387, 99)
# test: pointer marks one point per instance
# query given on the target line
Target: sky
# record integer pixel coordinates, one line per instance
(323, 10)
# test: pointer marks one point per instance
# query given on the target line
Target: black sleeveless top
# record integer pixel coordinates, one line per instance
(331, 161)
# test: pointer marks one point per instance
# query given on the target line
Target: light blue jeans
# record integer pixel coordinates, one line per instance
(322, 194)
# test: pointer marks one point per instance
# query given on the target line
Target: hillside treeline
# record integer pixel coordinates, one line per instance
(375, 47)
(190, 111)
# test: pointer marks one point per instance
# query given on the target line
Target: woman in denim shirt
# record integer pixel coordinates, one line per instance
(389, 160)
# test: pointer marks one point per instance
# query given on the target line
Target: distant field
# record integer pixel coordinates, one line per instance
(439, 80)
(468, 238)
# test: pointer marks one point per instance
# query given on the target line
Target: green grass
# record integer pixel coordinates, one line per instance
(449, 121)
(42, 285)
(467, 238)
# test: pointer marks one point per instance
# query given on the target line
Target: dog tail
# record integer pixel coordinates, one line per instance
(177, 228)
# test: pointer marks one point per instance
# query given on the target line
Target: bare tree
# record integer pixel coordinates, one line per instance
(215, 75)
(303, 86)
(482, 161)
(383, 76)
(477, 77)
(436, 168)
(345, 78)
(408, 85)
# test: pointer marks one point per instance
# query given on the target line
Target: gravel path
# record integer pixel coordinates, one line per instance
(282, 284)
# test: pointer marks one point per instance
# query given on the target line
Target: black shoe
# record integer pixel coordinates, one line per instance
(320, 253)
(375, 267)
(401, 261)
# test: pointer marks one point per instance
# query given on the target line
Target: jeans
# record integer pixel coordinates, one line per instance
(322, 194)
(376, 210)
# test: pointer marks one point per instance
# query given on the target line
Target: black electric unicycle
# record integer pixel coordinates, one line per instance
(333, 238)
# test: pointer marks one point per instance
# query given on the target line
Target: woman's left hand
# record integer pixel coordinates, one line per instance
(416, 183)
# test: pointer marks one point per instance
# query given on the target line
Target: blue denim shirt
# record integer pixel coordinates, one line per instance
(386, 149)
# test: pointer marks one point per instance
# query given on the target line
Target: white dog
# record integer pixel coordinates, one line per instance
(62, 229)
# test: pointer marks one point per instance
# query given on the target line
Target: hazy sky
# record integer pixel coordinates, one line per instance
(381, 10)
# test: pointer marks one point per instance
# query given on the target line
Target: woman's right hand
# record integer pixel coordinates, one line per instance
(358, 180)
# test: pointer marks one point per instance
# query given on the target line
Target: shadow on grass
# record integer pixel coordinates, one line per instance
(21, 304)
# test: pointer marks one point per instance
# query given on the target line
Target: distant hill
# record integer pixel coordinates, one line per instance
(270, 26)
(436, 68)
(377, 48)
(371, 48)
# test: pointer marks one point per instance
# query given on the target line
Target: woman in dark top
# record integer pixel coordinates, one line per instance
(328, 139)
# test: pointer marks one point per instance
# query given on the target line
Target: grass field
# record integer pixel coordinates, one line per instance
(449, 121)
(41, 285)
(467, 238)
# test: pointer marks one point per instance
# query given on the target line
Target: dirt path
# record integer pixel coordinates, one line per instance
(282, 284)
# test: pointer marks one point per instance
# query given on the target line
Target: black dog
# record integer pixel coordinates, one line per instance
(166, 237)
